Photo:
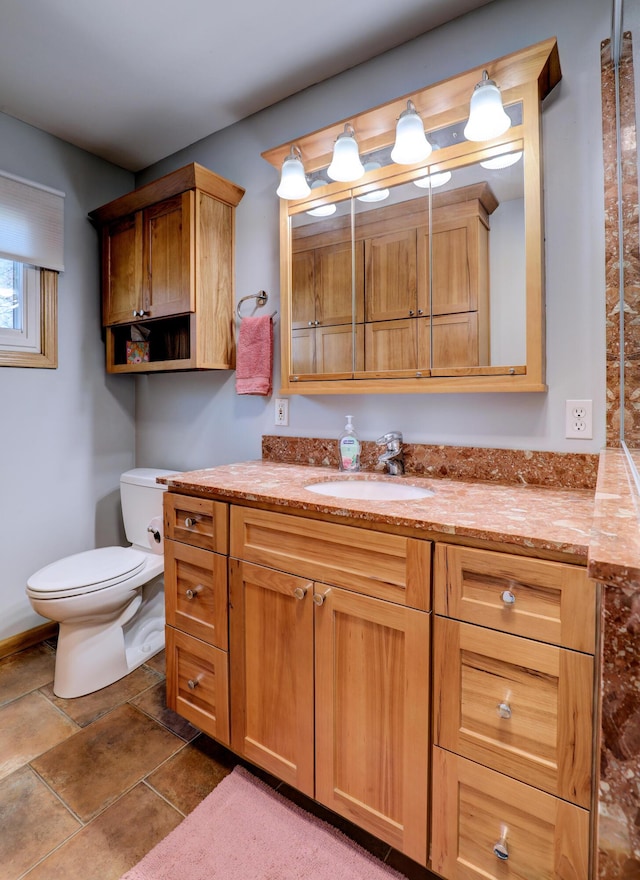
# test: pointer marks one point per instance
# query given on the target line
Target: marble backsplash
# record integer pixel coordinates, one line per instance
(557, 470)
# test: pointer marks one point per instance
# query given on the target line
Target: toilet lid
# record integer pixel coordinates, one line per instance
(93, 568)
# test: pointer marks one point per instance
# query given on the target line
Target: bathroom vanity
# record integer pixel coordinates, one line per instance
(425, 668)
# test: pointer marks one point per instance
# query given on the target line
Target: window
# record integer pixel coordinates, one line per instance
(31, 248)
(28, 306)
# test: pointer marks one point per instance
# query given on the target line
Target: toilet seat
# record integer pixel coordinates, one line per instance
(86, 572)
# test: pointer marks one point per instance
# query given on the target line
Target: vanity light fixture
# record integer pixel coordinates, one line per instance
(293, 182)
(377, 195)
(323, 210)
(411, 144)
(345, 164)
(503, 160)
(487, 117)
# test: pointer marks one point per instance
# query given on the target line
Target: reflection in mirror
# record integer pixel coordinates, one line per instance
(432, 281)
(326, 304)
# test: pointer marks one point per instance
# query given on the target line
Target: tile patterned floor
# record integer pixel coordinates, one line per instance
(88, 786)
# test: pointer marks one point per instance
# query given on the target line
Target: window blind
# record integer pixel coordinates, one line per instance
(31, 223)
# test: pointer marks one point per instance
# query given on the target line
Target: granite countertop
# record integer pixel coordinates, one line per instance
(614, 548)
(531, 517)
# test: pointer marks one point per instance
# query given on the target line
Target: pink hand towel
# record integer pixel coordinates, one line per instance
(254, 361)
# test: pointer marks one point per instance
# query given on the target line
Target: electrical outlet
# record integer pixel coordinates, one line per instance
(282, 411)
(579, 419)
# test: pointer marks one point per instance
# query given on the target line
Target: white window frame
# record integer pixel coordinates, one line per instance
(27, 336)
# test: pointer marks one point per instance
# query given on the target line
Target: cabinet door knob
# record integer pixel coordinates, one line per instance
(411, 313)
(299, 593)
(508, 598)
(309, 323)
(190, 522)
(192, 594)
(504, 710)
(500, 848)
(135, 313)
(193, 683)
(318, 599)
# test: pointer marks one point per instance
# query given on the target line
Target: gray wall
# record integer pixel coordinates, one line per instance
(65, 434)
(200, 421)
(68, 433)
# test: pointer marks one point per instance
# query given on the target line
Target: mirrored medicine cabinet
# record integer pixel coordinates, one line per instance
(426, 277)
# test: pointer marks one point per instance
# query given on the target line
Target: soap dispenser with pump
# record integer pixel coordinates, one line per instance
(349, 448)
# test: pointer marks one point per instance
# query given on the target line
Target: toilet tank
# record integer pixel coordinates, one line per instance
(141, 500)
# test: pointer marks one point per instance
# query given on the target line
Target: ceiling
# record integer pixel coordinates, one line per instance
(133, 81)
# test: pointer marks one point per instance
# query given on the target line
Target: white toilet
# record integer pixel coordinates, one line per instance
(109, 602)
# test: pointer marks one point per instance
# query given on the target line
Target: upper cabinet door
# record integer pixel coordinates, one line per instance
(122, 270)
(390, 273)
(168, 257)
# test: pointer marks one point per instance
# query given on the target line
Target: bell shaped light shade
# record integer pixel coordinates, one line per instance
(487, 119)
(293, 182)
(323, 210)
(377, 195)
(345, 164)
(411, 144)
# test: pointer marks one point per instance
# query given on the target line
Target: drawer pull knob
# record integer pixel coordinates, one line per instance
(299, 593)
(318, 599)
(190, 522)
(500, 848)
(508, 598)
(192, 594)
(504, 710)
(193, 683)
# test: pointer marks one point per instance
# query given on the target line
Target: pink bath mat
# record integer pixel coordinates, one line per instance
(244, 830)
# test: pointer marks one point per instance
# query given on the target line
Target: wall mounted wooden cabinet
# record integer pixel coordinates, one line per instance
(445, 284)
(168, 269)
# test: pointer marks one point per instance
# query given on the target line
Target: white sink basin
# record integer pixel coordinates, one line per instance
(369, 490)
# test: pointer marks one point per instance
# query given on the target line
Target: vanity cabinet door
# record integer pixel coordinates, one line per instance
(546, 601)
(541, 837)
(519, 706)
(196, 595)
(198, 683)
(372, 715)
(271, 650)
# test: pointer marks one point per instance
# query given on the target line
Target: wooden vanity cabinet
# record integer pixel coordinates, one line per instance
(330, 680)
(168, 266)
(317, 668)
(196, 603)
(514, 683)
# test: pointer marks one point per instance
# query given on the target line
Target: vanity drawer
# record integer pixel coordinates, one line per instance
(522, 707)
(545, 838)
(377, 564)
(198, 683)
(196, 521)
(547, 601)
(196, 592)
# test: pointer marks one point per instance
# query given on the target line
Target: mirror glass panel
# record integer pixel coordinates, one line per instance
(427, 277)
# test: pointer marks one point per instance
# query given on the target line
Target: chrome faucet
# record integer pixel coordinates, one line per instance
(393, 457)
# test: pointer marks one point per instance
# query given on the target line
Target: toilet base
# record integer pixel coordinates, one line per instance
(93, 655)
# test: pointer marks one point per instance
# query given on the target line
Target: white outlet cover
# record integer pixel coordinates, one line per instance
(579, 419)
